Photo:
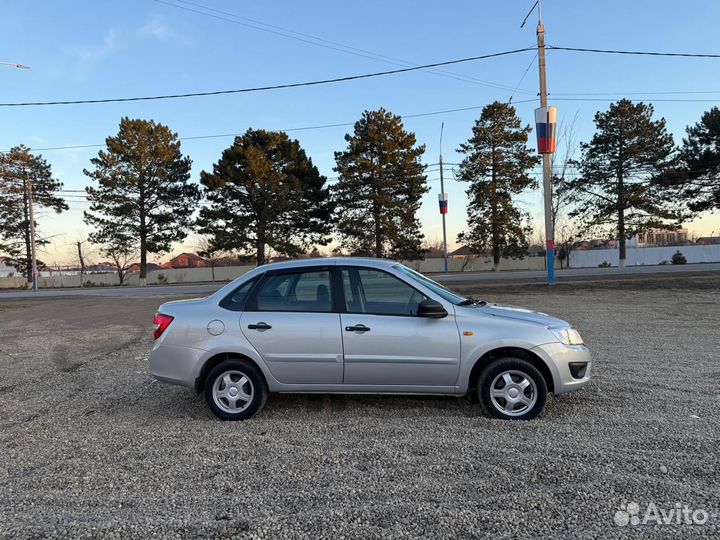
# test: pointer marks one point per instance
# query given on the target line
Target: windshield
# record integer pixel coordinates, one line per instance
(434, 286)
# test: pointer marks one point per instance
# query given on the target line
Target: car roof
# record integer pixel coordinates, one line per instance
(332, 261)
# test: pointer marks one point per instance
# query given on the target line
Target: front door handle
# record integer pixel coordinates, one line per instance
(357, 328)
(259, 326)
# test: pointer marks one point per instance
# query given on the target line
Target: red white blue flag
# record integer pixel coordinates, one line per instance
(443, 199)
(546, 129)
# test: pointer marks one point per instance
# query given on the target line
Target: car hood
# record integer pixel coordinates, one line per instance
(517, 313)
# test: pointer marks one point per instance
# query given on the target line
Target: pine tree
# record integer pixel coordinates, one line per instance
(615, 192)
(144, 198)
(496, 164)
(700, 155)
(265, 193)
(378, 194)
(17, 168)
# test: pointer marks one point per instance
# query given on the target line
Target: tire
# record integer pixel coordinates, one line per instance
(229, 384)
(512, 389)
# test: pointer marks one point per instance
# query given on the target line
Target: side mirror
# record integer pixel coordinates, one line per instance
(431, 309)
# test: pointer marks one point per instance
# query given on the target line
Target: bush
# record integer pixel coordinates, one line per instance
(662, 263)
(162, 279)
(604, 264)
(678, 258)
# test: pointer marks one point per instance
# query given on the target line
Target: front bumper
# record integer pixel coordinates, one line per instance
(558, 358)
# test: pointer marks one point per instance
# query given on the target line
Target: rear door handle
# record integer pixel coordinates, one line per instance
(357, 328)
(259, 326)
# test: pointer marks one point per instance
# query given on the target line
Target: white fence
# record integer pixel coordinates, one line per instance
(228, 273)
(578, 259)
(644, 256)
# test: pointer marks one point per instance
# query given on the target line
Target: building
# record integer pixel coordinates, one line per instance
(708, 241)
(135, 267)
(187, 260)
(660, 237)
(6, 267)
(463, 252)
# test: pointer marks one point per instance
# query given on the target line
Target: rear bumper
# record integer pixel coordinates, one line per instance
(558, 358)
(176, 365)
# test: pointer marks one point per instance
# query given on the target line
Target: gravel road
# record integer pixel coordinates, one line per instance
(91, 447)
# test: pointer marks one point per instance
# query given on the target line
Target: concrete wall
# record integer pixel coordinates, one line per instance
(180, 275)
(479, 264)
(578, 259)
(228, 273)
(644, 256)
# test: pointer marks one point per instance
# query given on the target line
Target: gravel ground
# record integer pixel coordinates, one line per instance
(91, 447)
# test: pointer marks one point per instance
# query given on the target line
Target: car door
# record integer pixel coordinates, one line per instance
(289, 320)
(385, 342)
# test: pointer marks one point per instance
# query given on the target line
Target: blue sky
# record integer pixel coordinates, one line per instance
(88, 49)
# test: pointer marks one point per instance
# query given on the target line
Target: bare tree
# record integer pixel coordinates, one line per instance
(122, 256)
(204, 247)
(564, 168)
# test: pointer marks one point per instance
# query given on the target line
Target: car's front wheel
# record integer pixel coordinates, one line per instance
(235, 390)
(512, 389)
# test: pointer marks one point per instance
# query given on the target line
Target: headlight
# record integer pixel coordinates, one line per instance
(567, 336)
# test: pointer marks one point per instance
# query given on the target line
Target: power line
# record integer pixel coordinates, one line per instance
(640, 53)
(304, 128)
(651, 100)
(522, 78)
(319, 41)
(649, 93)
(271, 87)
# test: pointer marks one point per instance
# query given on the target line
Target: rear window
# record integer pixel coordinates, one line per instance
(235, 301)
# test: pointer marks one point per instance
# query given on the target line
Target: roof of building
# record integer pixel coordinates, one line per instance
(462, 250)
(191, 256)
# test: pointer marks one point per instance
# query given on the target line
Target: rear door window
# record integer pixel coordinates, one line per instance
(307, 291)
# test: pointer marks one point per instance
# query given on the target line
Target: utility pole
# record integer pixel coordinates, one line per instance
(443, 202)
(31, 219)
(547, 169)
(82, 263)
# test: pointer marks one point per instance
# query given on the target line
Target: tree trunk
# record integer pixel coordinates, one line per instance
(212, 269)
(143, 239)
(378, 231)
(621, 204)
(376, 219)
(621, 220)
(621, 239)
(260, 259)
(28, 248)
(143, 263)
(494, 224)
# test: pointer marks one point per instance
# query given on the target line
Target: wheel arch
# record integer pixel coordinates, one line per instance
(218, 358)
(503, 352)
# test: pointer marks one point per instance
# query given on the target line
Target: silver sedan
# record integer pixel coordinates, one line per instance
(363, 326)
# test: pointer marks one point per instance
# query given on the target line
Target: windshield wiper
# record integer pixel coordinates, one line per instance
(470, 301)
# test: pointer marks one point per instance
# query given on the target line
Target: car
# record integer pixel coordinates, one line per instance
(361, 326)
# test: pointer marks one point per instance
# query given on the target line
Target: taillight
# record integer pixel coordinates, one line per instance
(161, 322)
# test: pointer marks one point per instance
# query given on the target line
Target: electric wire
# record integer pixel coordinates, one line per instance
(268, 87)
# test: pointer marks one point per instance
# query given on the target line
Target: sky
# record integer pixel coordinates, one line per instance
(83, 49)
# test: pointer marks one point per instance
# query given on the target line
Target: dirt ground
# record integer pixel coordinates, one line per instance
(92, 447)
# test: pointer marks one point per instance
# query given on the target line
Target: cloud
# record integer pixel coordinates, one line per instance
(157, 28)
(79, 62)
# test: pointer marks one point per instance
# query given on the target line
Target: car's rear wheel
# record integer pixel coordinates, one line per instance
(235, 390)
(512, 389)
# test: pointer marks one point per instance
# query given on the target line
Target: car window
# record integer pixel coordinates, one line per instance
(373, 291)
(298, 291)
(235, 301)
